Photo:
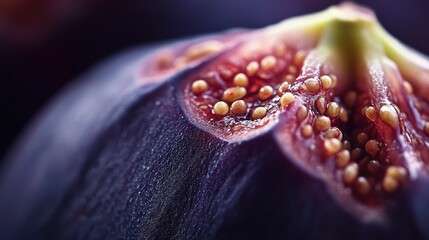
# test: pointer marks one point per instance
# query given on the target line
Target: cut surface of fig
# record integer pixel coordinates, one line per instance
(337, 103)
(245, 88)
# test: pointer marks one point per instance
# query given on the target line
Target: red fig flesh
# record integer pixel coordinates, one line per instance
(331, 94)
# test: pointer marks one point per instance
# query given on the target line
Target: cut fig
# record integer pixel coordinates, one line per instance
(321, 116)
(339, 106)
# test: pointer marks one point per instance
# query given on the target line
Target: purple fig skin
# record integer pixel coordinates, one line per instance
(114, 158)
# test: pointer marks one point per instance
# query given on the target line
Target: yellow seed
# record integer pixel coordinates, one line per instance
(374, 167)
(300, 57)
(408, 87)
(239, 107)
(241, 80)
(350, 98)
(220, 108)
(371, 147)
(326, 81)
(334, 80)
(388, 115)
(396, 172)
(350, 173)
(321, 104)
(356, 153)
(362, 138)
(344, 116)
(333, 133)
(307, 130)
(292, 70)
(390, 184)
(332, 145)
(363, 110)
(301, 114)
(252, 68)
(237, 128)
(199, 86)
(234, 93)
(259, 113)
(322, 123)
(362, 186)
(265, 92)
(311, 85)
(203, 49)
(426, 128)
(347, 145)
(333, 110)
(279, 49)
(282, 88)
(290, 78)
(343, 158)
(287, 99)
(268, 63)
(370, 113)
(203, 107)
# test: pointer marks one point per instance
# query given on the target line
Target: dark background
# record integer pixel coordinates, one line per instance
(44, 44)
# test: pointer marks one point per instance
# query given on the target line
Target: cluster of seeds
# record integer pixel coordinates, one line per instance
(357, 156)
(240, 94)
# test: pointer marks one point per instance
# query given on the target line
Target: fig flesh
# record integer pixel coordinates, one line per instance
(314, 127)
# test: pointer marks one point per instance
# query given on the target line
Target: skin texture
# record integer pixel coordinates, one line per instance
(115, 156)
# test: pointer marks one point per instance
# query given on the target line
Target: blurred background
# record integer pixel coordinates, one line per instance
(45, 44)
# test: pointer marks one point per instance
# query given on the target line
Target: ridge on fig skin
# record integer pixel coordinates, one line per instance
(347, 49)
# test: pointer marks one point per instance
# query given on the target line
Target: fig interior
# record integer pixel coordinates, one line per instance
(340, 122)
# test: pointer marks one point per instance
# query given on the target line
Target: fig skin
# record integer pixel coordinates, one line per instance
(115, 156)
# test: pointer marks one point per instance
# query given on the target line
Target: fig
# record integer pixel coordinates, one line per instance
(316, 127)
